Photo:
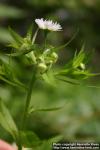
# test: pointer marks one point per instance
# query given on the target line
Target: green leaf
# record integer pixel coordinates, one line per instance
(77, 82)
(29, 33)
(76, 68)
(19, 53)
(68, 80)
(47, 144)
(7, 121)
(49, 78)
(89, 56)
(79, 58)
(17, 38)
(13, 83)
(8, 72)
(29, 139)
(23, 52)
(66, 44)
(13, 45)
(32, 109)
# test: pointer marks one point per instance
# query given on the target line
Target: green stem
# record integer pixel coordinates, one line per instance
(34, 37)
(18, 142)
(28, 98)
(19, 147)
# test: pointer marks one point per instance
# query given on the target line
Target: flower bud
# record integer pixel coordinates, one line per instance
(42, 67)
(54, 57)
(25, 46)
(50, 62)
(82, 66)
(31, 56)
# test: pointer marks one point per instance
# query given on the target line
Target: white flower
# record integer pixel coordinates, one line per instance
(48, 25)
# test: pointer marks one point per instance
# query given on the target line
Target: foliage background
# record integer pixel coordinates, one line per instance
(79, 119)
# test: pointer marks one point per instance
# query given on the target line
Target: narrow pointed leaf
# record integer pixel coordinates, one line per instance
(29, 139)
(23, 52)
(78, 59)
(12, 83)
(66, 44)
(19, 53)
(7, 121)
(17, 38)
(47, 144)
(29, 33)
(31, 110)
(68, 80)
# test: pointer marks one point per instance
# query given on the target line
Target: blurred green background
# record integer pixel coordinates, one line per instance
(79, 119)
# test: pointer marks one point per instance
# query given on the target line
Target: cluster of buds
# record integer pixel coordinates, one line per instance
(26, 44)
(44, 61)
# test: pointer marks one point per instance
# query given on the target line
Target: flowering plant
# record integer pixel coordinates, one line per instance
(42, 59)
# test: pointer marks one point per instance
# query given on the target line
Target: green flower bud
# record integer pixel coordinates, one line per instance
(54, 57)
(47, 52)
(31, 56)
(26, 44)
(42, 67)
(50, 62)
(82, 66)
